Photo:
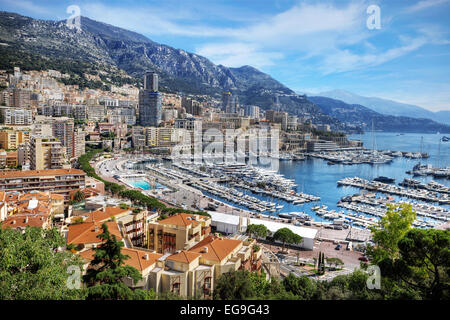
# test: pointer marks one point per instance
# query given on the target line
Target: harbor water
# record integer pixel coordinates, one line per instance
(316, 177)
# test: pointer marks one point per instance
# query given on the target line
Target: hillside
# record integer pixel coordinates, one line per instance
(103, 48)
(362, 116)
(388, 107)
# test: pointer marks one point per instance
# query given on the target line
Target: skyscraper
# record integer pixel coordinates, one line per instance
(230, 102)
(150, 101)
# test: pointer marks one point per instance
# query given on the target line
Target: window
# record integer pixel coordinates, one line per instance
(176, 288)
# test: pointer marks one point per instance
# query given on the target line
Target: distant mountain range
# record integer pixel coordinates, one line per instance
(365, 118)
(113, 48)
(388, 107)
(121, 56)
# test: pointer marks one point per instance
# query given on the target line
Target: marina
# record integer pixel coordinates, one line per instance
(300, 192)
(432, 192)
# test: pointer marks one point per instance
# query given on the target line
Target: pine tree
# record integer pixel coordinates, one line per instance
(104, 277)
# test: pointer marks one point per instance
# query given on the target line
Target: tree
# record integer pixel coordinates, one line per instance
(423, 264)
(303, 287)
(234, 285)
(390, 230)
(285, 235)
(78, 196)
(257, 230)
(33, 266)
(106, 272)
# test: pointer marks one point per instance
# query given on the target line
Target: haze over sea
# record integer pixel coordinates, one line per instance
(316, 177)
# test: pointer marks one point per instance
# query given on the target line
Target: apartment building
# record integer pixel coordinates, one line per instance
(16, 116)
(47, 153)
(8, 159)
(178, 232)
(11, 139)
(59, 181)
(21, 98)
(192, 273)
(79, 143)
(63, 130)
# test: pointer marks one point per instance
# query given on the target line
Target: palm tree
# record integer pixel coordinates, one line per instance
(78, 196)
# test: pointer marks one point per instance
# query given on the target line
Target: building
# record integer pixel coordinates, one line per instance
(63, 130)
(230, 102)
(144, 261)
(178, 232)
(79, 143)
(321, 145)
(150, 101)
(20, 98)
(96, 112)
(232, 224)
(11, 139)
(8, 159)
(21, 221)
(191, 106)
(47, 153)
(251, 111)
(16, 116)
(59, 181)
(84, 235)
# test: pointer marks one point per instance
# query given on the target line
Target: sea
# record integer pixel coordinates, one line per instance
(316, 177)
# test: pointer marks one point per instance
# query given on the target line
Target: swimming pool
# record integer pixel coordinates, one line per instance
(144, 184)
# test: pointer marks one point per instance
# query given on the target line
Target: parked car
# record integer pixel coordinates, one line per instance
(364, 259)
(338, 247)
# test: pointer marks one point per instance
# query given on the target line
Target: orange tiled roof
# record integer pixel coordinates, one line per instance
(218, 248)
(184, 256)
(34, 195)
(181, 219)
(136, 257)
(56, 196)
(38, 173)
(20, 221)
(84, 233)
(105, 214)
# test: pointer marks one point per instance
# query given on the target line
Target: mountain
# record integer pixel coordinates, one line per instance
(119, 55)
(362, 116)
(388, 107)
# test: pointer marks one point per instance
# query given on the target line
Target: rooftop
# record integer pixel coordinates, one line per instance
(38, 173)
(218, 248)
(84, 233)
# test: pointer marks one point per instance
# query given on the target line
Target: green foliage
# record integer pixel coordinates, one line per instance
(32, 267)
(285, 235)
(78, 196)
(234, 286)
(422, 267)
(107, 270)
(392, 227)
(302, 287)
(257, 230)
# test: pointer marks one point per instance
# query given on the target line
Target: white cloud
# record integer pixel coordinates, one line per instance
(345, 60)
(425, 4)
(236, 54)
(25, 5)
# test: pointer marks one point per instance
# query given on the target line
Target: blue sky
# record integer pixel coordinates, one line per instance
(310, 46)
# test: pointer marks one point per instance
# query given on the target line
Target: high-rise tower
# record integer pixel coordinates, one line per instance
(150, 101)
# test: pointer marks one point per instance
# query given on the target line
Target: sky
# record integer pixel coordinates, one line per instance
(309, 46)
